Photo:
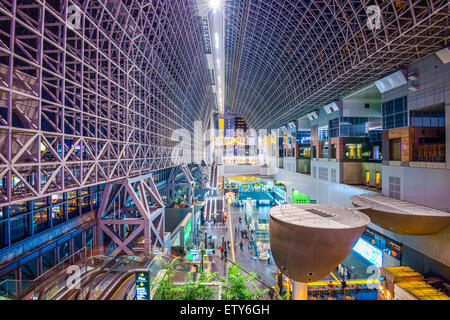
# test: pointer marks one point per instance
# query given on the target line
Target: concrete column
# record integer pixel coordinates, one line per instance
(299, 290)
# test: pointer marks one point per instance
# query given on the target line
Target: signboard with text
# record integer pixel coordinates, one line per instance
(142, 281)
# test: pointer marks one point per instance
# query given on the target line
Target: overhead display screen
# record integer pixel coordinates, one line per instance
(369, 252)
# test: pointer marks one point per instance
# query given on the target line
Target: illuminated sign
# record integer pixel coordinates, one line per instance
(142, 281)
(305, 140)
(187, 231)
(369, 252)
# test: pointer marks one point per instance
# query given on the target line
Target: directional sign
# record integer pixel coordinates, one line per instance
(142, 285)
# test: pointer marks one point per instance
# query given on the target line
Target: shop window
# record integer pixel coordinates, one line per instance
(18, 208)
(84, 191)
(57, 198)
(72, 194)
(367, 177)
(72, 209)
(353, 151)
(377, 179)
(85, 204)
(58, 214)
(40, 203)
(41, 221)
(48, 260)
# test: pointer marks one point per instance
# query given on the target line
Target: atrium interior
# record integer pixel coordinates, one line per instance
(166, 150)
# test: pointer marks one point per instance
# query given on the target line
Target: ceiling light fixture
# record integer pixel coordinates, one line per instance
(214, 4)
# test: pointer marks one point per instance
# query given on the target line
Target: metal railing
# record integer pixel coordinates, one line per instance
(433, 152)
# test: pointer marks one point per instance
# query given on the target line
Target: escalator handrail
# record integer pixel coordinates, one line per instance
(105, 276)
(95, 277)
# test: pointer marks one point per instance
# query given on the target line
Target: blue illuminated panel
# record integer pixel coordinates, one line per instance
(369, 252)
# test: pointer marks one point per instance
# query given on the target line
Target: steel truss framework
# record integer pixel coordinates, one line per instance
(199, 174)
(98, 103)
(131, 215)
(180, 179)
(285, 58)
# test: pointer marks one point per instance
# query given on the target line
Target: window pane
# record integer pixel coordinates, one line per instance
(19, 228)
(72, 194)
(78, 242)
(85, 204)
(40, 203)
(40, 221)
(89, 238)
(29, 273)
(58, 214)
(8, 285)
(56, 198)
(18, 208)
(426, 120)
(3, 234)
(64, 250)
(72, 208)
(48, 260)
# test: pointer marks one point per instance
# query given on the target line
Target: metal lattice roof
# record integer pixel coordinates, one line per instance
(287, 58)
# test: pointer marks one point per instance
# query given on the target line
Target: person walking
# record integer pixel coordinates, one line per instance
(344, 285)
(241, 245)
(221, 252)
(240, 220)
(331, 288)
(225, 255)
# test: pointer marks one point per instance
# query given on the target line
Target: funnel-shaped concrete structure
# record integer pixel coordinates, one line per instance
(309, 240)
(401, 216)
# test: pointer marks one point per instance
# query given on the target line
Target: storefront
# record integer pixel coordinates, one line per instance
(280, 196)
(258, 227)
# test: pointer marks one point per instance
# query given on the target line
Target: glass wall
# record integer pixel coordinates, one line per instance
(395, 113)
(48, 260)
(354, 127)
(334, 128)
(427, 118)
(26, 219)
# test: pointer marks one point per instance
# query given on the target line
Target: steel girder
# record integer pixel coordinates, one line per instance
(198, 174)
(98, 102)
(131, 215)
(180, 179)
(285, 58)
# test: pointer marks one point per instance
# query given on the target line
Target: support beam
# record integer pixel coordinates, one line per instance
(130, 209)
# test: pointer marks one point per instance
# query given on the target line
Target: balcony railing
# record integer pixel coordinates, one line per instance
(430, 152)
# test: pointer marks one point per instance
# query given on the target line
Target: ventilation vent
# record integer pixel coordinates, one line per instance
(323, 173)
(394, 187)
